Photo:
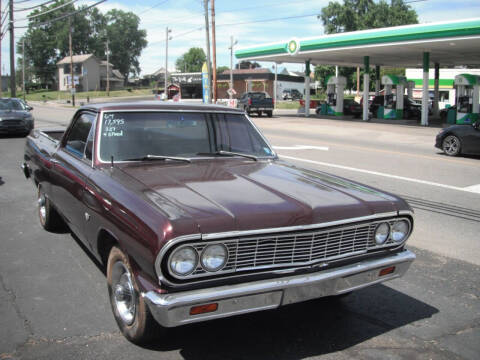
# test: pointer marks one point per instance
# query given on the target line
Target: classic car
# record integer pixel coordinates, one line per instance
(459, 139)
(196, 218)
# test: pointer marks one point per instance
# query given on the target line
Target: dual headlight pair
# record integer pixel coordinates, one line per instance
(185, 260)
(397, 232)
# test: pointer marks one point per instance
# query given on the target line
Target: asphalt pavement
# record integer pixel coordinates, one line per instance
(54, 302)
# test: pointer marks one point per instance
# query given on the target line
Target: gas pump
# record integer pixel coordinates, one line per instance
(410, 87)
(468, 103)
(334, 101)
(393, 103)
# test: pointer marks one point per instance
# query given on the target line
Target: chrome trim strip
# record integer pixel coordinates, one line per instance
(295, 228)
(172, 309)
(213, 236)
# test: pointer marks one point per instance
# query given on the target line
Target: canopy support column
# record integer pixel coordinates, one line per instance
(425, 97)
(366, 86)
(436, 93)
(377, 80)
(307, 88)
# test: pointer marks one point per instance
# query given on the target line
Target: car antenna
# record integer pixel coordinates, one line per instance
(111, 160)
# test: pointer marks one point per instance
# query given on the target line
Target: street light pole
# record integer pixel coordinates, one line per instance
(167, 31)
(72, 82)
(23, 67)
(108, 70)
(214, 51)
(232, 43)
(13, 87)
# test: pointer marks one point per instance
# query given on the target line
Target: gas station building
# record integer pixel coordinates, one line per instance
(447, 44)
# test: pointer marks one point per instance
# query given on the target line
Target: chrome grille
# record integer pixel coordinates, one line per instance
(293, 249)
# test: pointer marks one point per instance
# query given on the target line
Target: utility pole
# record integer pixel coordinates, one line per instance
(214, 50)
(232, 43)
(72, 81)
(108, 70)
(1, 79)
(13, 90)
(167, 31)
(209, 68)
(23, 67)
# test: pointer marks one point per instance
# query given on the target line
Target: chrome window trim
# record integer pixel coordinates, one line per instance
(226, 111)
(225, 235)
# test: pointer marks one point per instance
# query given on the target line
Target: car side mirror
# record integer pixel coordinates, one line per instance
(29, 108)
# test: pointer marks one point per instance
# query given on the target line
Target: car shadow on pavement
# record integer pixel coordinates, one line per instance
(298, 331)
(1, 181)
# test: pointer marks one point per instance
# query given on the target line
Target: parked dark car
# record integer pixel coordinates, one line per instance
(412, 109)
(15, 116)
(291, 94)
(350, 107)
(256, 102)
(459, 139)
(195, 217)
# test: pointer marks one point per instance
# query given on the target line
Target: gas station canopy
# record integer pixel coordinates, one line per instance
(449, 44)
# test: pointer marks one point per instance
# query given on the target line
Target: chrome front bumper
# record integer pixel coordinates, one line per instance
(174, 309)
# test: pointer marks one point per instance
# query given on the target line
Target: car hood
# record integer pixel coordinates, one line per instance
(234, 195)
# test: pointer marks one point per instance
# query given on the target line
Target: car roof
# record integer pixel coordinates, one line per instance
(156, 105)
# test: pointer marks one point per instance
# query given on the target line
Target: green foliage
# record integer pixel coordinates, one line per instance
(46, 44)
(221, 69)
(191, 61)
(355, 15)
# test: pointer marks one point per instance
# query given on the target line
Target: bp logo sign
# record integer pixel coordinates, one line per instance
(293, 47)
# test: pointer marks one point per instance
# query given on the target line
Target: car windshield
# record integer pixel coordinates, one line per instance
(135, 135)
(11, 104)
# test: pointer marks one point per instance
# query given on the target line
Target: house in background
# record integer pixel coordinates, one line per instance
(89, 74)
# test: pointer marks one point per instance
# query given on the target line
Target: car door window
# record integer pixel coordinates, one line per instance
(78, 135)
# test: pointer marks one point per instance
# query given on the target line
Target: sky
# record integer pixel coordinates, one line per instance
(250, 22)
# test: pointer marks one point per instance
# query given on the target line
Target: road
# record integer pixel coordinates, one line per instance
(54, 302)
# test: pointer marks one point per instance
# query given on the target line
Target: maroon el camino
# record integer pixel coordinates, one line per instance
(196, 218)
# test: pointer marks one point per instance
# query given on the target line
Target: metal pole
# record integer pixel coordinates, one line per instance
(1, 79)
(214, 50)
(23, 67)
(207, 35)
(167, 31)
(72, 82)
(232, 43)
(275, 87)
(108, 70)
(13, 87)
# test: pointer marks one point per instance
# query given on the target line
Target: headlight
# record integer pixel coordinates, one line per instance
(399, 231)
(381, 233)
(184, 261)
(214, 257)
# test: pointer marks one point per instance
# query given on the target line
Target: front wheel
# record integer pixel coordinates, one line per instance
(451, 145)
(129, 308)
(269, 113)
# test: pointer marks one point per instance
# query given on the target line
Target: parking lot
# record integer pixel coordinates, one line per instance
(54, 301)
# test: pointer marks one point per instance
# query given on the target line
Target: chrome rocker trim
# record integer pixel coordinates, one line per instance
(173, 309)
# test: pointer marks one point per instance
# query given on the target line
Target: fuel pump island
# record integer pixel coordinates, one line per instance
(468, 102)
(335, 92)
(393, 102)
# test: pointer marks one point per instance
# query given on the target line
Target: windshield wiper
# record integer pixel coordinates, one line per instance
(159, 157)
(231, 153)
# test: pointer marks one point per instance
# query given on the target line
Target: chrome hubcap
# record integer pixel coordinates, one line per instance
(451, 145)
(123, 293)
(41, 206)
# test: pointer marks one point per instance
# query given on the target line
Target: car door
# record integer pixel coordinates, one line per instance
(471, 139)
(72, 167)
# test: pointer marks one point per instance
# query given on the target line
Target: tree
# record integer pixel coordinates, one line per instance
(191, 61)
(126, 41)
(221, 69)
(355, 15)
(247, 65)
(48, 42)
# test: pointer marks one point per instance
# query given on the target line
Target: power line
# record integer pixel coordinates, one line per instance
(46, 12)
(152, 7)
(62, 17)
(33, 7)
